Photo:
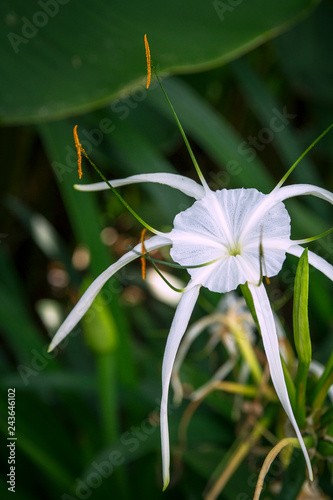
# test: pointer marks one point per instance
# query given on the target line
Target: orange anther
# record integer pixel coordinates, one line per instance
(79, 150)
(143, 251)
(148, 61)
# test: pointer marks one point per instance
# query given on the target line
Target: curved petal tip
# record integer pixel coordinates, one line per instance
(166, 482)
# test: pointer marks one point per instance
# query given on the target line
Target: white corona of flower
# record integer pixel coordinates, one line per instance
(225, 235)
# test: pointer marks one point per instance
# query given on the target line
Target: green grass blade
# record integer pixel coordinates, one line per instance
(323, 385)
(276, 118)
(302, 334)
(215, 135)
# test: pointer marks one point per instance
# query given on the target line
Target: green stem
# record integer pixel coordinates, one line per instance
(246, 350)
(323, 385)
(189, 149)
(294, 442)
(289, 383)
(120, 198)
(285, 177)
(107, 382)
(300, 393)
(301, 334)
(106, 376)
(235, 456)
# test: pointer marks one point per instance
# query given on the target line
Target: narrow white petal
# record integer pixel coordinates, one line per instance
(271, 345)
(177, 330)
(87, 298)
(184, 184)
(302, 189)
(278, 196)
(314, 260)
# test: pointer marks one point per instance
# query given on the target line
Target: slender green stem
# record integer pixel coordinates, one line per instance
(313, 238)
(300, 393)
(126, 205)
(285, 177)
(289, 383)
(175, 289)
(189, 149)
(107, 383)
(271, 457)
(323, 385)
(327, 418)
(172, 264)
(246, 350)
(250, 391)
(106, 376)
(236, 455)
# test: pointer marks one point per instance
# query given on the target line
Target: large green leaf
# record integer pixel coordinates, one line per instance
(61, 57)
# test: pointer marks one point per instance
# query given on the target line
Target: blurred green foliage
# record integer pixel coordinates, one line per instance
(95, 401)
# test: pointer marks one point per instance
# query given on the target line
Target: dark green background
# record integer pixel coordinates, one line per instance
(235, 65)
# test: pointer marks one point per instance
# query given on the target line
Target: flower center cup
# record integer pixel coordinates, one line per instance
(215, 233)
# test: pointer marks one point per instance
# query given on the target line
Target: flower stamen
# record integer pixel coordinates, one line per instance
(143, 251)
(263, 269)
(79, 150)
(148, 61)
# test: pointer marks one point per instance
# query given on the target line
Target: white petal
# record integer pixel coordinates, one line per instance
(315, 261)
(271, 345)
(210, 216)
(286, 192)
(271, 243)
(177, 330)
(184, 184)
(87, 298)
(216, 228)
(282, 194)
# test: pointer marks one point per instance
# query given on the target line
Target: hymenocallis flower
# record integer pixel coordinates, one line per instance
(225, 239)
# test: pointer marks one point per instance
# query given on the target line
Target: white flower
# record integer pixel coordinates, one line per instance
(228, 236)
